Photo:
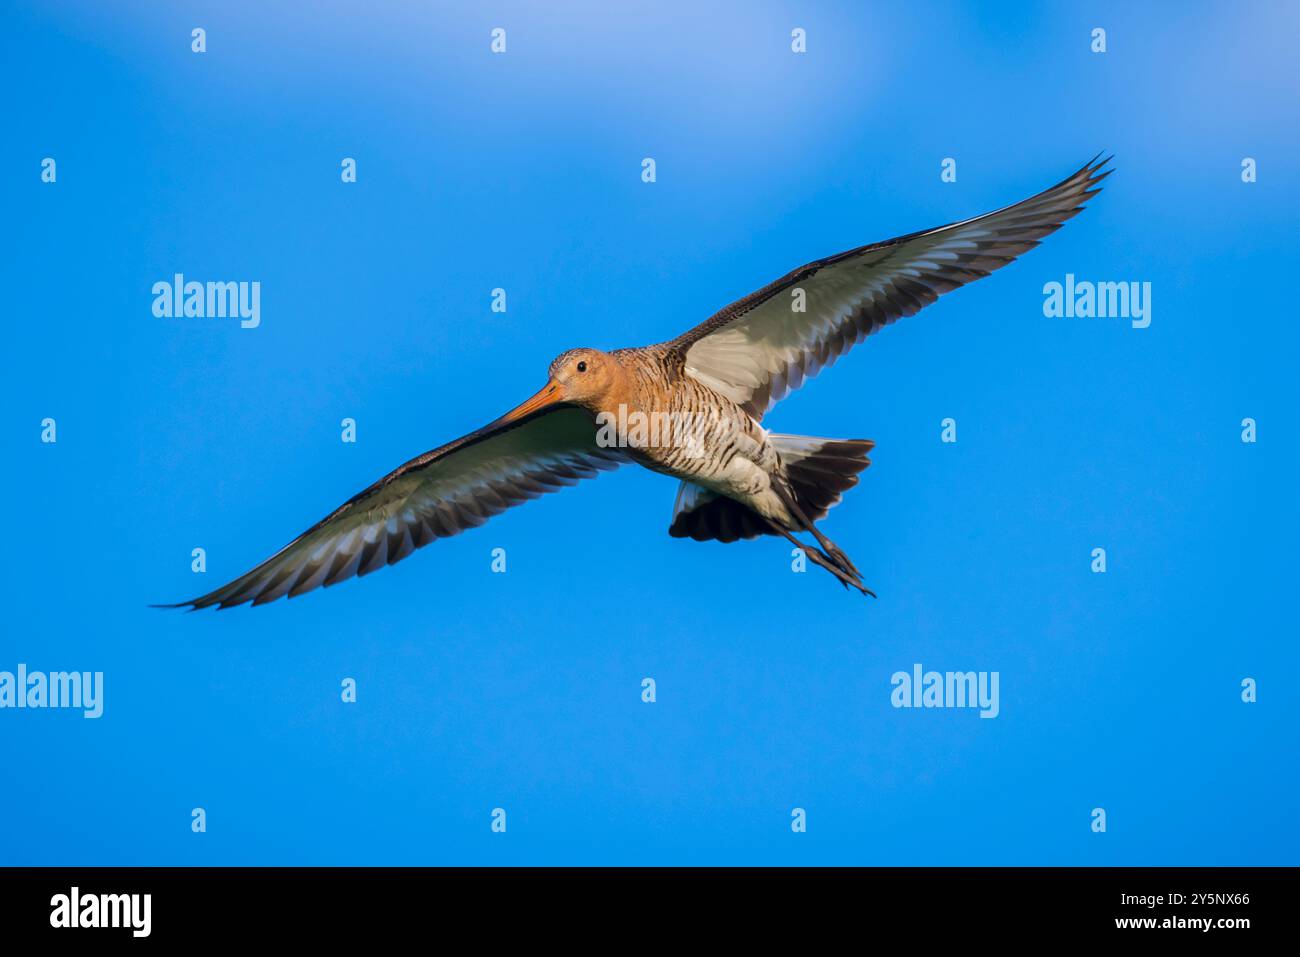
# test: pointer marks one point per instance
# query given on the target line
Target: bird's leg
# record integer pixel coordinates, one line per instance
(835, 552)
(821, 559)
(832, 550)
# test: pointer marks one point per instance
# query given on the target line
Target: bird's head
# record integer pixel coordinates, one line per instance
(587, 377)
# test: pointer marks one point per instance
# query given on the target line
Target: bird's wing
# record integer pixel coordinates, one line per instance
(437, 495)
(760, 348)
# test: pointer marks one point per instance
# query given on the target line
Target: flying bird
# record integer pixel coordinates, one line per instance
(691, 408)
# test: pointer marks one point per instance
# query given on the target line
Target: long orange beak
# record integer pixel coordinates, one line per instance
(552, 394)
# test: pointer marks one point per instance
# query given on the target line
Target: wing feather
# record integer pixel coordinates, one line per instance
(443, 492)
(759, 349)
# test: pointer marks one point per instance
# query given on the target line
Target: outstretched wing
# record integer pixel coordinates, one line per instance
(760, 348)
(437, 495)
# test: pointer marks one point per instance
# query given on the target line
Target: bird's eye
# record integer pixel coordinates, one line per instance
(582, 367)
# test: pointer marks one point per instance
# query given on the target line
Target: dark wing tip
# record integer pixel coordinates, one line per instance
(1095, 170)
(1089, 179)
(1096, 163)
(190, 604)
(1068, 197)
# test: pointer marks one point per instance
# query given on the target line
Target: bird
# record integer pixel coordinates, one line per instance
(690, 408)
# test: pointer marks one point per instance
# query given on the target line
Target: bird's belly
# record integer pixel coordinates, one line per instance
(737, 465)
(738, 478)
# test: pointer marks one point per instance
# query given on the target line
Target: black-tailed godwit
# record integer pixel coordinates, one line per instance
(690, 408)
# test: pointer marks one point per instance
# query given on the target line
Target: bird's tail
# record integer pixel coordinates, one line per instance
(818, 471)
(821, 470)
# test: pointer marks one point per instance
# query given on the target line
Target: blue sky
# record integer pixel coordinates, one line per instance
(523, 690)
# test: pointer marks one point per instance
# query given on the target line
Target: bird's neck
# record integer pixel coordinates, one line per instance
(623, 394)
